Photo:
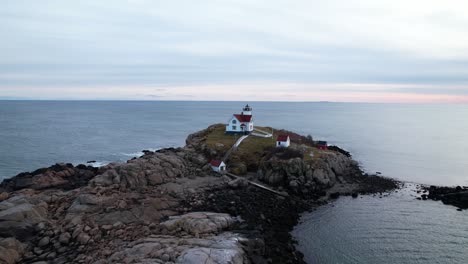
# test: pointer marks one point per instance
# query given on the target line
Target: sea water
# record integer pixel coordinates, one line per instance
(417, 143)
(393, 229)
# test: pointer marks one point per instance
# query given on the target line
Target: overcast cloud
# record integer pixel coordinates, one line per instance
(302, 50)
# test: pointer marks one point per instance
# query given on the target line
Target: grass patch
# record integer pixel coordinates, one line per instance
(218, 136)
(254, 148)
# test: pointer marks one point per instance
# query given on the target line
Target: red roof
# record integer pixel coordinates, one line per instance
(244, 118)
(322, 143)
(215, 163)
(282, 138)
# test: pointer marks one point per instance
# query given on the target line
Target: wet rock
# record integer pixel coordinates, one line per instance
(456, 196)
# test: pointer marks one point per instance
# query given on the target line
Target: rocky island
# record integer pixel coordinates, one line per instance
(169, 206)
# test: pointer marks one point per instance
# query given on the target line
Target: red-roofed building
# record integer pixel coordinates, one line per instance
(241, 123)
(323, 145)
(283, 141)
(218, 165)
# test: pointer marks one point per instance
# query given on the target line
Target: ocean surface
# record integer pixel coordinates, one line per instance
(415, 143)
(394, 229)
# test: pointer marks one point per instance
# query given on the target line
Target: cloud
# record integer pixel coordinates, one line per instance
(138, 44)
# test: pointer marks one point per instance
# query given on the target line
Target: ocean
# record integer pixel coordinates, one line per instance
(392, 229)
(415, 143)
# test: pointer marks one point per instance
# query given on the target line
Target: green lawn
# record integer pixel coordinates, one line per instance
(252, 148)
(218, 135)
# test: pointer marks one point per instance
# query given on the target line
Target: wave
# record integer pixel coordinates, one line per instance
(139, 153)
(98, 164)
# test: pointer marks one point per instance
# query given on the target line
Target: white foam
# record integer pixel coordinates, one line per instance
(95, 164)
(140, 153)
(134, 154)
(98, 164)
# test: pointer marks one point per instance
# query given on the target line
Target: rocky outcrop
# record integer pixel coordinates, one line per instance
(151, 169)
(164, 207)
(61, 175)
(203, 242)
(298, 173)
(223, 248)
(457, 196)
(199, 222)
(19, 215)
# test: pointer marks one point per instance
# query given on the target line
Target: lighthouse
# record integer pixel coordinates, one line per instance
(241, 123)
(247, 110)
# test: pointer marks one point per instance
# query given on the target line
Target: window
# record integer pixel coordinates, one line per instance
(234, 121)
(234, 127)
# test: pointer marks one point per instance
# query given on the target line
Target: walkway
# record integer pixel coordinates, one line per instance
(260, 133)
(234, 147)
(261, 186)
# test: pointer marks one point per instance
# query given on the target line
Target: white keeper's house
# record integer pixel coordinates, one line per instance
(241, 123)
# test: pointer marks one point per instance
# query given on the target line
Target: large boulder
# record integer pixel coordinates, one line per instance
(211, 255)
(199, 222)
(225, 248)
(297, 173)
(149, 170)
(19, 215)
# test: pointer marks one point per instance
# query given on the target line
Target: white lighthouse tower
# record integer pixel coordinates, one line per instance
(241, 123)
(247, 110)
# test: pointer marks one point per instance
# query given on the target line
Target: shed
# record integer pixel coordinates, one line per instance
(218, 165)
(283, 141)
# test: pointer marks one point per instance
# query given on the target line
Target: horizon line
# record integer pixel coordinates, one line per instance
(240, 101)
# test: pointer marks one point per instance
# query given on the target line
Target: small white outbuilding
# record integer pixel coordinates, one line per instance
(283, 141)
(218, 166)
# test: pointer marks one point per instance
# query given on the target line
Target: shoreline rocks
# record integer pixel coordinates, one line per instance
(61, 175)
(168, 206)
(456, 196)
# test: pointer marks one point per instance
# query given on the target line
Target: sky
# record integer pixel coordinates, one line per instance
(403, 51)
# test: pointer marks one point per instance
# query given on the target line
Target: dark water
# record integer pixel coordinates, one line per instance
(394, 229)
(417, 143)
